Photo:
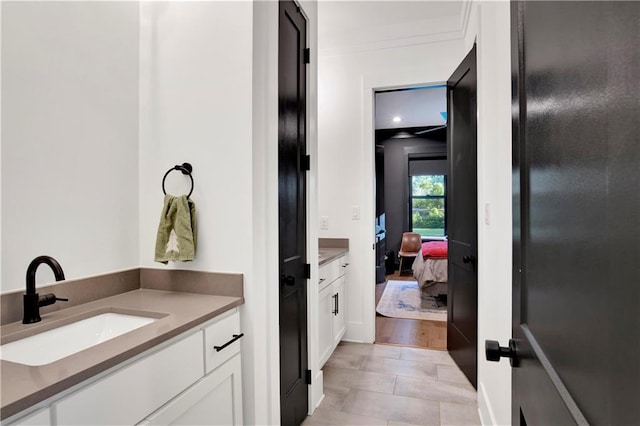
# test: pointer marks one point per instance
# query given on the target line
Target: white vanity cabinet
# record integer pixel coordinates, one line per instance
(339, 317)
(194, 379)
(216, 399)
(325, 323)
(332, 306)
(39, 418)
(127, 395)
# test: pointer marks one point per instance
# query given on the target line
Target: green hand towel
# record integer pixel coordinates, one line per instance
(176, 238)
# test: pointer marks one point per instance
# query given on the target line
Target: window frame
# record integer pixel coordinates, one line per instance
(428, 197)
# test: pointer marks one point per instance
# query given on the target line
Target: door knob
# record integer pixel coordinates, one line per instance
(494, 351)
(289, 280)
(468, 259)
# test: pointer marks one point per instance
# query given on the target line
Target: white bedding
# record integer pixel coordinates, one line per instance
(431, 274)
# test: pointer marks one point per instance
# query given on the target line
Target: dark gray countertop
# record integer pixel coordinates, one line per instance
(23, 386)
(327, 254)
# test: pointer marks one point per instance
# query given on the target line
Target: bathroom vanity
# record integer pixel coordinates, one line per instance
(332, 287)
(182, 367)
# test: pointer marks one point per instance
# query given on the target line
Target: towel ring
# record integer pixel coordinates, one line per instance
(186, 169)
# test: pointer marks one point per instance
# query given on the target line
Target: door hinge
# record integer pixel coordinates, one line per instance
(308, 377)
(306, 163)
(307, 271)
(307, 55)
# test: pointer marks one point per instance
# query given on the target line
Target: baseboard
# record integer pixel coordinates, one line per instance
(352, 340)
(316, 392)
(484, 407)
(356, 333)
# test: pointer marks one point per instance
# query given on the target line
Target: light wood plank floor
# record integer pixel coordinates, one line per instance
(409, 332)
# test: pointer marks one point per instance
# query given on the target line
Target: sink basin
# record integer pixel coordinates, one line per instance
(66, 340)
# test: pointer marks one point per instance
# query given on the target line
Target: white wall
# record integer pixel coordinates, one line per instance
(195, 98)
(69, 138)
(345, 157)
(494, 191)
(0, 148)
(196, 106)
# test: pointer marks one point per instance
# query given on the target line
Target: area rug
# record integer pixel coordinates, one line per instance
(404, 299)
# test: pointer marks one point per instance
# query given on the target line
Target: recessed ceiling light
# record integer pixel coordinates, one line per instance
(397, 119)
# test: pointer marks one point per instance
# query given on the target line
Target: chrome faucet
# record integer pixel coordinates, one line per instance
(31, 300)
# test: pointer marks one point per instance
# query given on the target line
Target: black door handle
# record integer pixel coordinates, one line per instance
(289, 280)
(494, 351)
(335, 304)
(468, 259)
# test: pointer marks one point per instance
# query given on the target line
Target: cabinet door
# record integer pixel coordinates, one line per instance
(339, 318)
(40, 418)
(214, 400)
(325, 320)
(129, 394)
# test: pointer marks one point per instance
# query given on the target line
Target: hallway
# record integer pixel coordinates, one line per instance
(370, 384)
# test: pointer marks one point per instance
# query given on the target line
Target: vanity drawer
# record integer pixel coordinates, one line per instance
(131, 393)
(344, 264)
(221, 341)
(328, 273)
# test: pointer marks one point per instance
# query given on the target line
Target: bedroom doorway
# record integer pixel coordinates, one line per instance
(410, 172)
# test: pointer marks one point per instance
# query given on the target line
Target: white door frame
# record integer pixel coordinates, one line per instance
(432, 76)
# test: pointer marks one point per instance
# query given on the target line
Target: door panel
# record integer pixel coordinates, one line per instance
(462, 222)
(577, 210)
(292, 213)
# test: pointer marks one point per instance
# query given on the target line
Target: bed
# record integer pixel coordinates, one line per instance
(430, 268)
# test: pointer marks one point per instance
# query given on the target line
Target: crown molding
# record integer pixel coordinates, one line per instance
(455, 32)
(391, 44)
(465, 16)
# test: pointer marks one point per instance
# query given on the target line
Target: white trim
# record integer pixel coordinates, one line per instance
(315, 396)
(406, 37)
(318, 384)
(395, 43)
(465, 17)
(263, 406)
(370, 83)
(357, 331)
(486, 416)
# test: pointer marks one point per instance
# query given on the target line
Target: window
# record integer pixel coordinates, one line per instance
(428, 201)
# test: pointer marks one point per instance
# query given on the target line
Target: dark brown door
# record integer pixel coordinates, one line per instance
(576, 281)
(462, 217)
(292, 205)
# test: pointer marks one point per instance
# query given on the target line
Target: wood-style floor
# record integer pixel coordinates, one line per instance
(408, 332)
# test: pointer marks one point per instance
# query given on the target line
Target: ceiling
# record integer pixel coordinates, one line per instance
(346, 27)
(346, 15)
(414, 107)
(343, 23)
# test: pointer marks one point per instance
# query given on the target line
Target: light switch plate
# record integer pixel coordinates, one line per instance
(355, 212)
(487, 216)
(324, 223)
